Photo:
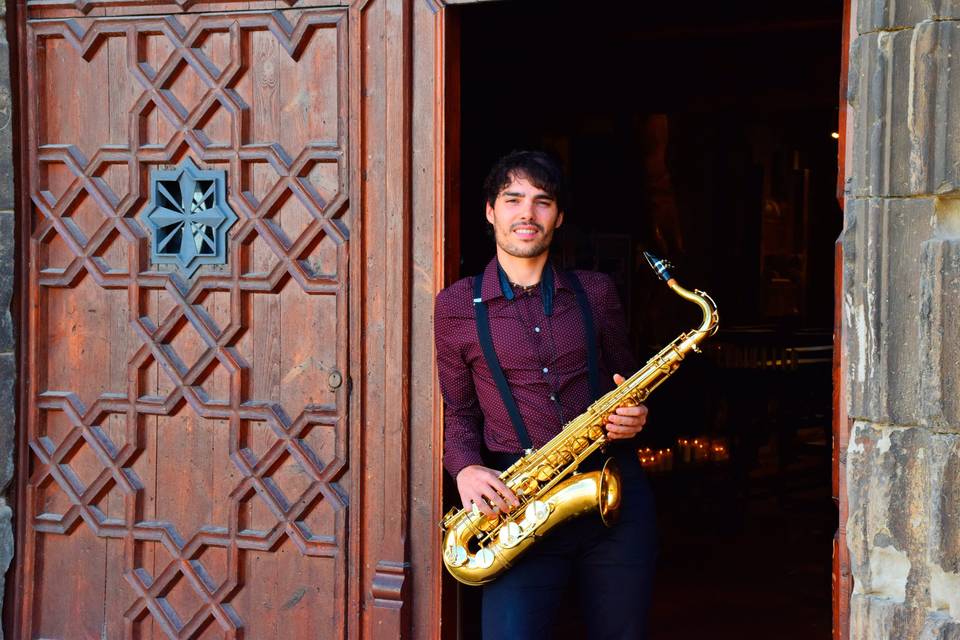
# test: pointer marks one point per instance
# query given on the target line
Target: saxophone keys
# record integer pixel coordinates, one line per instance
(545, 472)
(487, 524)
(456, 556)
(482, 560)
(526, 486)
(536, 513)
(510, 534)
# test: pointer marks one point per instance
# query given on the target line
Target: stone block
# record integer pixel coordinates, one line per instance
(940, 627)
(7, 416)
(7, 241)
(944, 534)
(903, 92)
(940, 321)
(6, 543)
(903, 531)
(881, 306)
(6, 125)
(878, 91)
(934, 96)
(889, 471)
(874, 15)
(873, 618)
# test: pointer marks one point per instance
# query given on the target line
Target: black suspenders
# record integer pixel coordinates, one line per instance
(493, 363)
(592, 366)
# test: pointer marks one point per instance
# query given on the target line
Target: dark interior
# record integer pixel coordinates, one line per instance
(704, 133)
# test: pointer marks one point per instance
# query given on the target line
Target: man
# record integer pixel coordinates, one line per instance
(544, 328)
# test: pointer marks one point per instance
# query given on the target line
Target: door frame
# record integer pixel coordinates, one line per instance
(448, 228)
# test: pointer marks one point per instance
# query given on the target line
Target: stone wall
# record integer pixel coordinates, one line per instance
(901, 306)
(7, 361)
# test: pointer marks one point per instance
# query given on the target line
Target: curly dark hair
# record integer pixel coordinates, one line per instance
(539, 167)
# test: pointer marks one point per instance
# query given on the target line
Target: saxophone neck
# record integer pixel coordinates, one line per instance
(663, 364)
(710, 322)
(708, 326)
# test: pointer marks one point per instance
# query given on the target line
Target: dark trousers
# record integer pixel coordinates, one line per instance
(610, 571)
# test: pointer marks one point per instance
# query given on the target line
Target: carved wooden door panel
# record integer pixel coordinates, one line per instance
(184, 459)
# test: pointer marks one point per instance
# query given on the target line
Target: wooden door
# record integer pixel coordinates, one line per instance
(185, 468)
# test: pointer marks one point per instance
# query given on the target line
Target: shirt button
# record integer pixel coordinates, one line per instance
(553, 397)
(536, 329)
(545, 370)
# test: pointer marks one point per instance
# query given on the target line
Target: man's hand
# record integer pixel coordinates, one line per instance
(625, 422)
(482, 487)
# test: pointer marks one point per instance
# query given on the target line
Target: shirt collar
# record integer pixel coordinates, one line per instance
(496, 284)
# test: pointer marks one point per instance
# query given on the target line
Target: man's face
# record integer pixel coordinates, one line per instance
(523, 218)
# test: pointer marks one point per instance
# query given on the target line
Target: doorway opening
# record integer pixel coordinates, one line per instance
(704, 133)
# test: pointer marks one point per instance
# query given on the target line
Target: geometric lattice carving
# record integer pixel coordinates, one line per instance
(189, 216)
(184, 430)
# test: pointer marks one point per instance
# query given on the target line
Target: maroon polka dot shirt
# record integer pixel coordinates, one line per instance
(543, 357)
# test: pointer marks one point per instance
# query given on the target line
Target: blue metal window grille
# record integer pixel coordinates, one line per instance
(189, 217)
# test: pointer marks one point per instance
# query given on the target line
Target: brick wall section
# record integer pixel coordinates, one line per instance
(901, 306)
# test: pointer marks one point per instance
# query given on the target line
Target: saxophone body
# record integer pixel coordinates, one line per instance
(476, 549)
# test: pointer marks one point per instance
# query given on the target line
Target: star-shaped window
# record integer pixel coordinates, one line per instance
(189, 217)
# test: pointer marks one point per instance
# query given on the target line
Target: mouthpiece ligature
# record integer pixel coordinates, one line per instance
(661, 267)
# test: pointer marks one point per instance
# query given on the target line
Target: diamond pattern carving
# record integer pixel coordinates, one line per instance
(79, 465)
(111, 257)
(289, 218)
(53, 180)
(321, 258)
(179, 600)
(113, 181)
(51, 503)
(83, 219)
(214, 127)
(54, 254)
(181, 597)
(183, 88)
(204, 355)
(184, 346)
(108, 506)
(255, 436)
(288, 482)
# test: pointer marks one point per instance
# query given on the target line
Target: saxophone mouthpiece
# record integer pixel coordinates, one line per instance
(659, 266)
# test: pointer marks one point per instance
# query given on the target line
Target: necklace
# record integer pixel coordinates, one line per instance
(524, 288)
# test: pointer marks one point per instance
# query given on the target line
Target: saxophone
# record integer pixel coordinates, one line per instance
(476, 549)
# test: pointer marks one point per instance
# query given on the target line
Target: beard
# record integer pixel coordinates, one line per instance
(516, 249)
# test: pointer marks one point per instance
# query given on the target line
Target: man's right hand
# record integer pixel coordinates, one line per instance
(483, 487)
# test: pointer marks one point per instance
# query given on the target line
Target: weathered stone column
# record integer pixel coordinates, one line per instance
(901, 309)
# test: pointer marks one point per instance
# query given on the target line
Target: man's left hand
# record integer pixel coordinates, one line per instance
(625, 422)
